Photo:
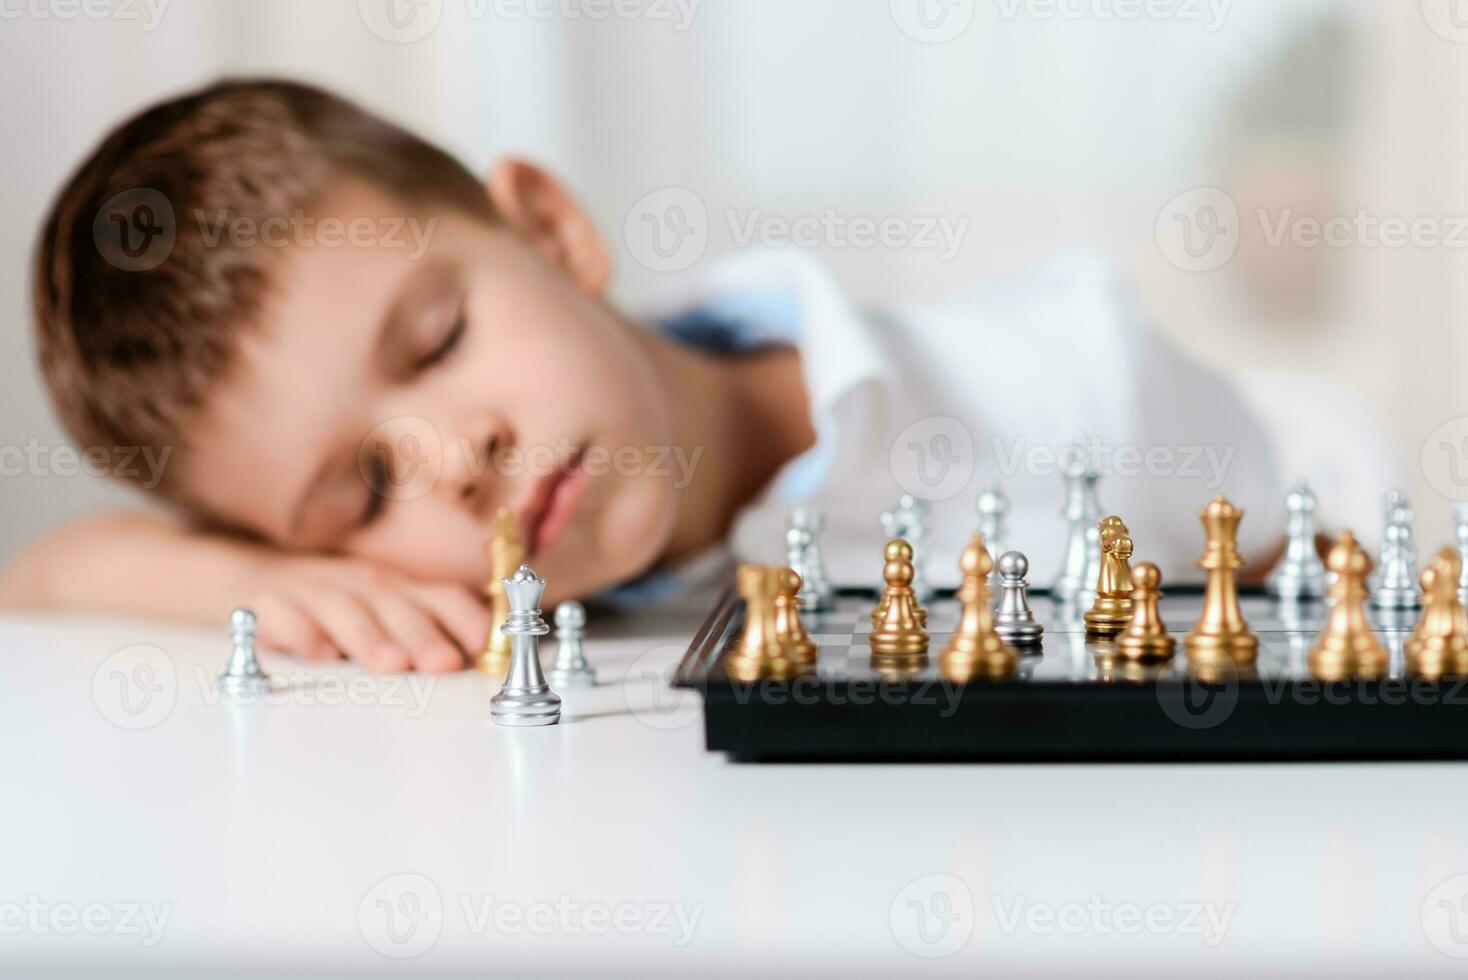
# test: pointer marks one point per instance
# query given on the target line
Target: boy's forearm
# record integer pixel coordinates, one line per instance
(135, 564)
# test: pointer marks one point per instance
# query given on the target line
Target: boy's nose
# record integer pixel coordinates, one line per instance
(469, 471)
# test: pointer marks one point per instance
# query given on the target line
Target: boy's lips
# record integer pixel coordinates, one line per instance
(551, 503)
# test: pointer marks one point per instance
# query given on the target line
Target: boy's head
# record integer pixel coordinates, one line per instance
(348, 343)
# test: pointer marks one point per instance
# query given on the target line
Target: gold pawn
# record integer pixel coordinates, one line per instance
(1439, 646)
(1146, 637)
(1221, 633)
(897, 550)
(795, 639)
(899, 637)
(1346, 646)
(975, 650)
(758, 653)
(506, 553)
(1112, 610)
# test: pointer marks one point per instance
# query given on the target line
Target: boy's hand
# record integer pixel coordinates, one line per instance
(324, 608)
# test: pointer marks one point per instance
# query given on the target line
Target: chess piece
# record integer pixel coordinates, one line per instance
(1014, 620)
(1439, 645)
(1346, 647)
(1221, 633)
(909, 521)
(1083, 544)
(243, 672)
(975, 650)
(758, 653)
(993, 524)
(1112, 610)
(1460, 519)
(1396, 583)
(894, 550)
(1145, 636)
(1300, 574)
(571, 668)
(1395, 508)
(803, 554)
(506, 553)
(795, 642)
(899, 633)
(525, 699)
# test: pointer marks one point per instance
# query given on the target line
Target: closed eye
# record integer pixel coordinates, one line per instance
(445, 346)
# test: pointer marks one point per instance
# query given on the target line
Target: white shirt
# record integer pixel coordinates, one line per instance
(998, 381)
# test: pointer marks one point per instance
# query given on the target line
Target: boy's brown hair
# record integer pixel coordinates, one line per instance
(137, 309)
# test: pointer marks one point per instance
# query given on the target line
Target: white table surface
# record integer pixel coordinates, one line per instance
(273, 836)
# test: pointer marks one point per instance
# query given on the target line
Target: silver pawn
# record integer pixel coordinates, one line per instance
(993, 524)
(1397, 586)
(1460, 514)
(1395, 508)
(243, 672)
(1082, 512)
(1014, 620)
(525, 699)
(1300, 574)
(571, 668)
(909, 521)
(803, 553)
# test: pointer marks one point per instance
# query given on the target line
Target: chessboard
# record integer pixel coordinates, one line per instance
(1072, 698)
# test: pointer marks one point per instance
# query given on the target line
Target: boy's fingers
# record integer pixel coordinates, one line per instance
(353, 628)
(415, 630)
(461, 614)
(286, 627)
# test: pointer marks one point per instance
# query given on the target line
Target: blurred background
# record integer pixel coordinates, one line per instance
(1193, 142)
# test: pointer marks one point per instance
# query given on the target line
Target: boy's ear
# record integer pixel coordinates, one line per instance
(541, 210)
